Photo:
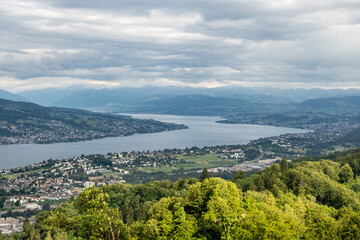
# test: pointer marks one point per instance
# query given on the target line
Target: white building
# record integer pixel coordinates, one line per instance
(88, 184)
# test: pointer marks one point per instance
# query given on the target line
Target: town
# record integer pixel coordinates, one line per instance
(24, 191)
(28, 123)
(54, 131)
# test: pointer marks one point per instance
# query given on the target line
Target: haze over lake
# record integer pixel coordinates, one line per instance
(203, 131)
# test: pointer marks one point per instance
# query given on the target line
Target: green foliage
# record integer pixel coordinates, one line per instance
(349, 222)
(206, 210)
(303, 200)
(29, 231)
(239, 175)
(204, 175)
(284, 165)
(48, 236)
(346, 174)
(100, 160)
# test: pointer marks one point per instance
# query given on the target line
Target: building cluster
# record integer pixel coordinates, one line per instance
(38, 130)
(44, 133)
(29, 188)
(11, 225)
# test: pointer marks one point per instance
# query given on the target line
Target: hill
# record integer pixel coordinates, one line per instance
(11, 96)
(315, 199)
(47, 96)
(316, 114)
(348, 104)
(22, 122)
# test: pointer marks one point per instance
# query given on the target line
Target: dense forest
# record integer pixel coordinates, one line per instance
(311, 198)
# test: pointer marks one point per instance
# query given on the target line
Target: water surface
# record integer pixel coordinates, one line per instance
(203, 131)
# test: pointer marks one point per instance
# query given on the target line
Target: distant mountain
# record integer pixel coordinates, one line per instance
(105, 99)
(95, 99)
(225, 106)
(108, 99)
(11, 96)
(349, 104)
(198, 105)
(267, 99)
(312, 114)
(47, 96)
(23, 122)
(300, 95)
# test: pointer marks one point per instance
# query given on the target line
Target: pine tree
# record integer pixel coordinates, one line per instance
(284, 165)
(204, 175)
(260, 185)
(130, 215)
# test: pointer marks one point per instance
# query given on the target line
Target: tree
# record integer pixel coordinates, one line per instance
(284, 165)
(209, 210)
(96, 219)
(39, 221)
(349, 224)
(204, 175)
(239, 175)
(46, 207)
(48, 236)
(346, 174)
(60, 235)
(29, 230)
(130, 215)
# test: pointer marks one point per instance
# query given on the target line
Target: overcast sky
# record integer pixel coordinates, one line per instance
(278, 43)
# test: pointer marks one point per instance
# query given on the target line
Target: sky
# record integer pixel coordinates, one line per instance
(212, 43)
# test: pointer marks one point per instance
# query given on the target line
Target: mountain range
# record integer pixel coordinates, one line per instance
(222, 101)
(89, 96)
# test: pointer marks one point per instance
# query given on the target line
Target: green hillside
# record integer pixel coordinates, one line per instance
(349, 104)
(23, 122)
(312, 199)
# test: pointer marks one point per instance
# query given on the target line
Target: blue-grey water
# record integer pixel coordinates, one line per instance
(203, 131)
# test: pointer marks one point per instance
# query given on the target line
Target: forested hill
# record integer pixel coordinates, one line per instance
(349, 104)
(299, 200)
(23, 122)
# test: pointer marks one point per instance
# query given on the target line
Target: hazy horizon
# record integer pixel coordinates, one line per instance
(84, 87)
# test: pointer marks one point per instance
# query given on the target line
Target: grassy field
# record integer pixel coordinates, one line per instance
(165, 169)
(15, 175)
(11, 176)
(336, 148)
(112, 174)
(195, 163)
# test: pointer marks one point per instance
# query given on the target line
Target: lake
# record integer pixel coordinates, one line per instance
(203, 131)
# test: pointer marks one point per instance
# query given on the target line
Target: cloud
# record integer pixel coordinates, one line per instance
(286, 43)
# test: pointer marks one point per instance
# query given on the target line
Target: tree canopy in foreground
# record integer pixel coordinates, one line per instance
(313, 199)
